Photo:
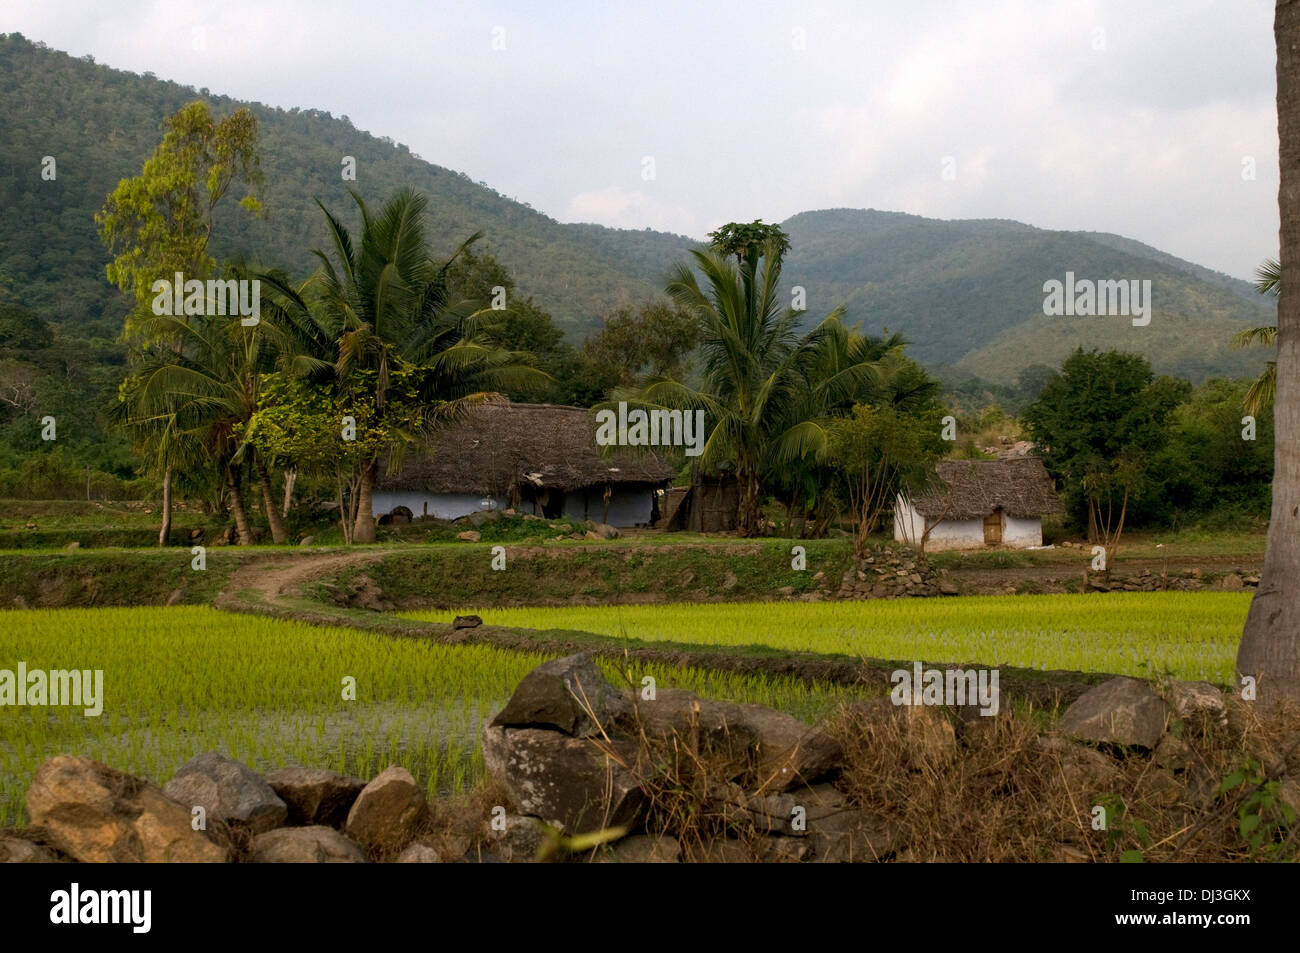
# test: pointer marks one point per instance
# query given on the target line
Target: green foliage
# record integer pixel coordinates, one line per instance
(1263, 817)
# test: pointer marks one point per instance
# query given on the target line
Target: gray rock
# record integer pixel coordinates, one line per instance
(519, 842)
(604, 531)
(642, 849)
(567, 782)
(466, 622)
(227, 791)
(563, 694)
(389, 811)
(1122, 711)
(419, 853)
(95, 814)
(315, 795)
(1189, 698)
(304, 845)
(19, 850)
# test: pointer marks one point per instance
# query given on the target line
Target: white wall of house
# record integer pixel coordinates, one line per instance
(909, 527)
(628, 507)
(1022, 533)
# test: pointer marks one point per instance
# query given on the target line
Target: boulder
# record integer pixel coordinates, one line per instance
(304, 845)
(519, 842)
(1190, 698)
(95, 814)
(604, 531)
(567, 782)
(466, 622)
(767, 749)
(419, 853)
(563, 694)
(19, 850)
(1123, 711)
(1086, 771)
(389, 811)
(470, 536)
(315, 795)
(791, 813)
(227, 791)
(642, 849)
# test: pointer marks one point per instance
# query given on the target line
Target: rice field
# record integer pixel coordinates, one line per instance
(182, 680)
(1191, 635)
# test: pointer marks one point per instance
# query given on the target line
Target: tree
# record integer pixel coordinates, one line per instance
(1270, 643)
(160, 223)
(756, 366)
(1268, 281)
(1097, 424)
(388, 305)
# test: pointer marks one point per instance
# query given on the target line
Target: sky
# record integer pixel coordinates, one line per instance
(1153, 120)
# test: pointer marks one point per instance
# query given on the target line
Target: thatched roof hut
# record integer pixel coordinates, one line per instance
(514, 450)
(972, 489)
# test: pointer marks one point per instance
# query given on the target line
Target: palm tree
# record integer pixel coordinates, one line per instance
(1268, 281)
(766, 389)
(387, 304)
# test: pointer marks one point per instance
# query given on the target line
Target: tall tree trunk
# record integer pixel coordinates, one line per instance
(1270, 643)
(242, 528)
(290, 478)
(279, 534)
(364, 531)
(748, 517)
(165, 533)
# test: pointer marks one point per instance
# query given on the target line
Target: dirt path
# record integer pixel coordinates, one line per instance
(282, 574)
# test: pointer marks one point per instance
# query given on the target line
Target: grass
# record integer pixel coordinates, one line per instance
(1191, 635)
(183, 680)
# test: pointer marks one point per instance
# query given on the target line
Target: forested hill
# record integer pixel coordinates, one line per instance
(101, 124)
(970, 293)
(965, 293)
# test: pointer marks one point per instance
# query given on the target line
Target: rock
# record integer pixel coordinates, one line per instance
(176, 597)
(1122, 711)
(479, 517)
(466, 622)
(851, 836)
(520, 841)
(1289, 793)
(389, 811)
(470, 536)
(304, 845)
(729, 581)
(315, 796)
(1172, 753)
(1231, 582)
(307, 541)
(567, 782)
(20, 602)
(95, 814)
(790, 813)
(419, 853)
(605, 531)
(19, 850)
(642, 849)
(227, 791)
(1086, 771)
(591, 534)
(947, 588)
(1189, 698)
(72, 546)
(564, 694)
(767, 749)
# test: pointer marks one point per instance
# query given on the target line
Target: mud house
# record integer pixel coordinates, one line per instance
(977, 503)
(537, 458)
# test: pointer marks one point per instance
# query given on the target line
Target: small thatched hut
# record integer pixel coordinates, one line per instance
(539, 458)
(977, 503)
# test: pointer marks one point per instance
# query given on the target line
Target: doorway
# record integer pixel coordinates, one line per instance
(993, 528)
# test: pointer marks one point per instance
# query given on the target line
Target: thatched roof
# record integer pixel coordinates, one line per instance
(1020, 486)
(501, 446)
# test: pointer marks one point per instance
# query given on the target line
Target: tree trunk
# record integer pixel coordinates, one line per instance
(290, 478)
(748, 517)
(165, 533)
(1270, 643)
(364, 531)
(242, 528)
(279, 534)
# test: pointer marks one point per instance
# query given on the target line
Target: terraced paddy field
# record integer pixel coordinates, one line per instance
(182, 680)
(1190, 635)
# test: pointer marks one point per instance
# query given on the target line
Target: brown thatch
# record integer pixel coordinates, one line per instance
(499, 448)
(1019, 486)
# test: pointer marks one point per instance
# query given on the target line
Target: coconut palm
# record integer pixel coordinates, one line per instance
(386, 303)
(767, 390)
(1268, 281)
